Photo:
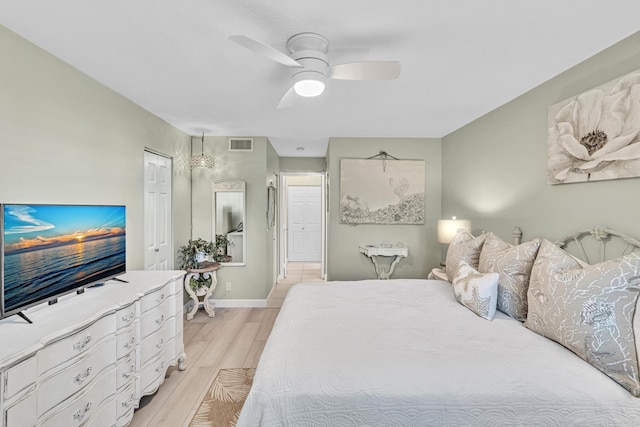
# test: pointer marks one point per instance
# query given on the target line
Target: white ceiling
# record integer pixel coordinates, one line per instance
(460, 58)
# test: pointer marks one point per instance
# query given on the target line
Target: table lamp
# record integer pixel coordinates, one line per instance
(447, 228)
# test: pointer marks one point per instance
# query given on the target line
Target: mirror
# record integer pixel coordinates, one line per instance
(229, 220)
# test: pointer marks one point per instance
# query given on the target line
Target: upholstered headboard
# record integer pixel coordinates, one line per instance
(598, 244)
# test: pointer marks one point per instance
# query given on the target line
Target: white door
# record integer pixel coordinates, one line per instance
(305, 223)
(157, 212)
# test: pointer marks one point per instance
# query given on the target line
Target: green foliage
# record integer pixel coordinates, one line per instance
(187, 253)
(220, 247)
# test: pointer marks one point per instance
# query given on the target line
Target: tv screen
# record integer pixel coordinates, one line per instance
(51, 250)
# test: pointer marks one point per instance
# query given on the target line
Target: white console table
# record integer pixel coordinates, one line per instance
(88, 359)
(373, 251)
(206, 270)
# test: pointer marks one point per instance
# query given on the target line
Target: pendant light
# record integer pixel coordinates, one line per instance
(202, 161)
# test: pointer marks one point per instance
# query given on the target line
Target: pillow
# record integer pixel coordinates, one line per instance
(463, 247)
(589, 310)
(513, 264)
(478, 292)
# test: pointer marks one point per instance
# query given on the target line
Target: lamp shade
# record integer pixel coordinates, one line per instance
(447, 228)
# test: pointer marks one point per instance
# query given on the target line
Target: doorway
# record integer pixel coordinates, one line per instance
(304, 213)
(158, 238)
(302, 223)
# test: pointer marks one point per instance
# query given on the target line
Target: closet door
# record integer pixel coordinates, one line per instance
(157, 212)
(305, 226)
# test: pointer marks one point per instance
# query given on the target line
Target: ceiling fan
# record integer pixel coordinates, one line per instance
(310, 65)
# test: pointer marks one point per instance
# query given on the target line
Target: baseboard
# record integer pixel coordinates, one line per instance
(228, 303)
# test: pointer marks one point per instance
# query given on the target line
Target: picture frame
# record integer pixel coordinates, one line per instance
(382, 191)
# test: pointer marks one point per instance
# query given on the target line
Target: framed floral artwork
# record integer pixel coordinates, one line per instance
(596, 135)
(374, 191)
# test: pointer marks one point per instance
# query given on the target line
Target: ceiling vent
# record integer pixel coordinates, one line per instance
(240, 144)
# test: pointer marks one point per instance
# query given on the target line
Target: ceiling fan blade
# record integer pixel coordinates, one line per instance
(288, 100)
(264, 50)
(367, 70)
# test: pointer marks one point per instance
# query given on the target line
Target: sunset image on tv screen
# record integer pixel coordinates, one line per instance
(49, 249)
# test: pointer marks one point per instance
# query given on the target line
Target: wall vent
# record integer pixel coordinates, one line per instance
(240, 144)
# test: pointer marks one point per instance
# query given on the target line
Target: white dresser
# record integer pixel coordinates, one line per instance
(87, 360)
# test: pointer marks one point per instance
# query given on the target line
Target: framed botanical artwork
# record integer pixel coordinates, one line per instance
(382, 191)
(596, 135)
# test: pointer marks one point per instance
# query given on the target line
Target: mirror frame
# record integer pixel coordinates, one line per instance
(231, 186)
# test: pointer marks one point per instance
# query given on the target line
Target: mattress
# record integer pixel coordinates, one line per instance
(406, 353)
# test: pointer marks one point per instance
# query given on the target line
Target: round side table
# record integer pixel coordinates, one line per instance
(204, 270)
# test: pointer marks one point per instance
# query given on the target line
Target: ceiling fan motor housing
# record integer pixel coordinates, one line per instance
(310, 51)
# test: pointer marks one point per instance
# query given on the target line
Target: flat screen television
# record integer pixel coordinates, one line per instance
(52, 250)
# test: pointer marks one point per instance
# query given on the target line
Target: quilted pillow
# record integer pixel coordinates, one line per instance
(478, 292)
(513, 264)
(589, 310)
(463, 247)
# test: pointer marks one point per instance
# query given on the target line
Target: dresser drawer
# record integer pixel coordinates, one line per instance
(20, 377)
(156, 342)
(125, 371)
(154, 299)
(75, 377)
(74, 412)
(153, 372)
(125, 316)
(125, 401)
(76, 344)
(104, 416)
(125, 342)
(22, 413)
(153, 320)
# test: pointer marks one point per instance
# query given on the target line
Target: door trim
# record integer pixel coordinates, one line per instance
(284, 218)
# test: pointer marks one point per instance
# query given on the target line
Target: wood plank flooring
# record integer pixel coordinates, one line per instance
(233, 339)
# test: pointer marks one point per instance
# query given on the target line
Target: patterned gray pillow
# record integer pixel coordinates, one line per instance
(588, 310)
(476, 291)
(513, 264)
(463, 247)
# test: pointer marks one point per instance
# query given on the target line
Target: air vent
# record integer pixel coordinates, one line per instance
(240, 144)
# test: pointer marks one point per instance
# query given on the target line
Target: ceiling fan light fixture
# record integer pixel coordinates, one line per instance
(308, 83)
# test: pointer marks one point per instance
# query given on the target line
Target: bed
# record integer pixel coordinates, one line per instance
(407, 353)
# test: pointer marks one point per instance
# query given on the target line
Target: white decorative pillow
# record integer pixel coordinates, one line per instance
(463, 247)
(478, 292)
(589, 310)
(513, 264)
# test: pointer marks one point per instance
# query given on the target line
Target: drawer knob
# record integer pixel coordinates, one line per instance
(127, 374)
(160, 368)
(160, 344)
(82, 376)
(81, 413)
(80, 345)
(129, 317)
(130, 343)
(127, 403)
(160, 297)
(160, 320)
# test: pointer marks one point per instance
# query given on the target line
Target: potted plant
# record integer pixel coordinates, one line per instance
(220, 248)
(191, 255)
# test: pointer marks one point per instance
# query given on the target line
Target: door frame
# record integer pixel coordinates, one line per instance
(284, 218)
(170, 237)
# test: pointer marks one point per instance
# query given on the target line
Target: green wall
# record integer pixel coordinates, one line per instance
(65, 138)
(344, 259)
(256, 168)
(494, 169)
(302, 164)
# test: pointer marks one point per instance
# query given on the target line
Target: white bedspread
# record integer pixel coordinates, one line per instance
(405, 353)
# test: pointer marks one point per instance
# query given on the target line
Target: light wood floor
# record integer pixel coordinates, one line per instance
(233, 339)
